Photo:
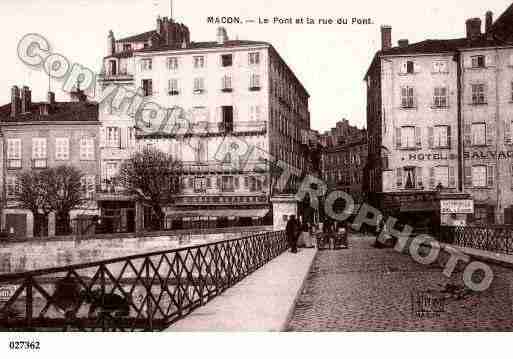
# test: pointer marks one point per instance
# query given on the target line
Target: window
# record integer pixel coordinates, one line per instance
(254, 82)
(440, 67)
(227, 113)
(478, 61)
(199, 85)
(442, 176)
(226, 84)
(408, 137)
(13, 186)
(199, 62)
(62, 149)
(254, 58)
(511, 98)
(14, 153)
(226, 60)
(39, 153)
(173, 87)
(200, 152)
(440, 99)
(410, 67)
(146, 64)
(147, 86)
(113, 67)
(87, 149)
(111, 170)
(172, 63)
(227, 184)
(478, 94)
(127, 47)
(441, 136)
(200, 184)
(479, 176)
(407, 98)
(410, 176)
(113, 137)
(87, 186)
(478, 132)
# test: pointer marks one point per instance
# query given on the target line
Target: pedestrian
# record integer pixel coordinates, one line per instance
(292, 231)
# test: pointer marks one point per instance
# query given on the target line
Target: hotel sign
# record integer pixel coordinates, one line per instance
(457, 206)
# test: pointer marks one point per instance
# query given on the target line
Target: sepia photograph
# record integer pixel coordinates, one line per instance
(231, 167)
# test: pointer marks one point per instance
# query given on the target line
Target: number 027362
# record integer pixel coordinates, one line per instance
(24, 345)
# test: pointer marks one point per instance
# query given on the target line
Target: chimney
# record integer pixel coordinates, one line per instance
(111, 44)
(473, 28)
(222, 36)
(26, 99)
(386, 37)
(50, 98)
(403, 43)
(78, 95)
(15, 101)
(159, 25)
(488, 24)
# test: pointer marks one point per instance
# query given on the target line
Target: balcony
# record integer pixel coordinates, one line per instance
(227, 200)
(215, 167)
(117, 76)
(14, 164)
(110, 190)
(39, 163)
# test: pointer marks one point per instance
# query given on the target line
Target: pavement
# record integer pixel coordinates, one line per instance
(369, 289)
(262, 302)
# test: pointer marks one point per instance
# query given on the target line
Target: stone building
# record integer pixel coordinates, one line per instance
(439, 120)
(212, 91)
(42, 135)
(342, 165)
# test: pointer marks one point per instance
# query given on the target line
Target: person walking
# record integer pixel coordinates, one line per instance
(292, 231)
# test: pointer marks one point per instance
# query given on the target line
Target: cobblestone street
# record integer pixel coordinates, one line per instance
(369, 289)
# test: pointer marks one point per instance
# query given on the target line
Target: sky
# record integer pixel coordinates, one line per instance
(330, 60)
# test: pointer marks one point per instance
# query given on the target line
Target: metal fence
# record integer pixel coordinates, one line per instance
(497, 239)
(142, 292)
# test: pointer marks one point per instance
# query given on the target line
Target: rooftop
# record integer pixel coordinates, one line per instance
(59, 111)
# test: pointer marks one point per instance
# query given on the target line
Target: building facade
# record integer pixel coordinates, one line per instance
(211, 91)
(439, 118)
(342, 165)
(42, 135)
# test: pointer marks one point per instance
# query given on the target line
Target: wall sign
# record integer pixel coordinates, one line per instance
(457, 206)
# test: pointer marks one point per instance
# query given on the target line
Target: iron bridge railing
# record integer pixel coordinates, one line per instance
(498, 239)
(142, 292)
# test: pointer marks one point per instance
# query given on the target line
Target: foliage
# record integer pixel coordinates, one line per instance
(154, 176)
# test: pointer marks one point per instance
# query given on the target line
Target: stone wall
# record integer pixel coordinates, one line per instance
(26, 255)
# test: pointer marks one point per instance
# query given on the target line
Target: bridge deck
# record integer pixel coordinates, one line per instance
(262, 302)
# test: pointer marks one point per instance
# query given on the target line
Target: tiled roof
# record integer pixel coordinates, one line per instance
(205, 45)
(145, 36)
(60, 111)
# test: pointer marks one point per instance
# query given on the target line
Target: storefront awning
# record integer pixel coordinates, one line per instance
(202, 214)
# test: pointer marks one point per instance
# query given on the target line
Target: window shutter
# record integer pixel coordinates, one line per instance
(511, 175)
(418, 176)
(404, 68)
(236, 182)
(467, 62)
(102, 137)
(490, 134)
(436, 67)
(432, 183)
(507, 132)
(467, 135)
(449, 137)
(418, 137)
(452, 177)
(489, 60)
(490, 174)
(399, 177)
(430, 137)
(511, 60)
(397, 137)
(468, 176)
(123, 134)
(416, 67)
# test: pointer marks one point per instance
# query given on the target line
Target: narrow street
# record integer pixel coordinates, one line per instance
(369, 289)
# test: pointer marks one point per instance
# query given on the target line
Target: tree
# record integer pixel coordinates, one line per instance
(64, 187)
(154, 176)
(33, 195)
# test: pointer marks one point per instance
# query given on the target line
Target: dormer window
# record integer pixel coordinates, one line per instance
(127, 47)
(478, 61)
(146, 64)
